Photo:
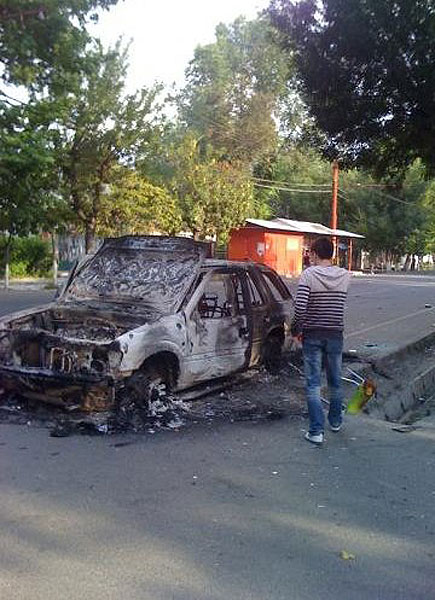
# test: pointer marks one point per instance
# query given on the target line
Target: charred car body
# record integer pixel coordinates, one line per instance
(142, 313)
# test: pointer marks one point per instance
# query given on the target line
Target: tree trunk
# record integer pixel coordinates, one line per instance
(55, 250)
(89, 237)
(7, 260)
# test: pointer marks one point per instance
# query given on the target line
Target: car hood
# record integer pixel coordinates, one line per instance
(149, 271)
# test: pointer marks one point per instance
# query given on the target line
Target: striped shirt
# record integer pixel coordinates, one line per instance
(320, 301)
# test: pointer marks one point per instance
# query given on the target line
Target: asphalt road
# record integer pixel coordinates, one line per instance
(387, 312)
(20, 299)
(243, 511)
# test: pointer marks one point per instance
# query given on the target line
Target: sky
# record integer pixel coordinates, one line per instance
(164, 33)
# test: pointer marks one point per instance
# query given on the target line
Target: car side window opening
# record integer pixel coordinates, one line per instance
(191, 290)
(276, 286)
(218, 299)
(254, 293)
(239, 297)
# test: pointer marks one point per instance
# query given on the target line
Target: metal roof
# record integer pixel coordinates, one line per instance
(269, 225)
(280, 224)
(305, 226)
(349, 234)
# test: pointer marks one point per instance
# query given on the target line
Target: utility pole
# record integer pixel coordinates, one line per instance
(334, 203)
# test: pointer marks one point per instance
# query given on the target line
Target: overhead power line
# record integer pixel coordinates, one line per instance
(384, 185)
(292, 183)
(389, 196)
(286, 189)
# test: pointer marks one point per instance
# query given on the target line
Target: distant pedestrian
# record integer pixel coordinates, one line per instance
(306, 259)
(318, 320)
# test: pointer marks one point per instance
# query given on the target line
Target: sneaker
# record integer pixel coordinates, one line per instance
(335, 428)
(314, 438)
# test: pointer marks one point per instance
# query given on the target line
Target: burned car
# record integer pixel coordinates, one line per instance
(142, 314)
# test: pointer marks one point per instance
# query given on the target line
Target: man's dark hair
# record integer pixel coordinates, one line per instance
(323, 247)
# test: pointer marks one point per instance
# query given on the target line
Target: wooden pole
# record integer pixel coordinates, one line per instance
(350, 255)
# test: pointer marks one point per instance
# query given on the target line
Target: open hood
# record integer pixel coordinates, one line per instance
(152, 271)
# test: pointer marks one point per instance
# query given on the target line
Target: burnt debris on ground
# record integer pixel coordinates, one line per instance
(254, 395)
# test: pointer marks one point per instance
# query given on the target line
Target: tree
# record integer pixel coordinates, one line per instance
(214, 195)
(39, 40)
(26, 175)
(426, 240)
(306, 190)
(136, 206)
(366, 71)
(235, 87)
(100, 130)
(389, 214)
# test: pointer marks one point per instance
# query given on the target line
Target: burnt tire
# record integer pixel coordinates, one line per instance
(139, 396)
(272, 354)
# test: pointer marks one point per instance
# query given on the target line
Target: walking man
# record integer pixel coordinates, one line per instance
(318, 319)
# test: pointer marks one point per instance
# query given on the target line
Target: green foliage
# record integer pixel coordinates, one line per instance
(304, 170)
(29, 256)
(27, 170)
(101, 129)
(135, 206)
(42, 40)
(235, 87)
(367, 75)
(394, 218)
(427, 234)
(389, 215)
(18, 270)
(214, 195)
(35, 253)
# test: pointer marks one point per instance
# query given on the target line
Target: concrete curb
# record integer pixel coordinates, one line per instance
(421, 386)
(383, 360)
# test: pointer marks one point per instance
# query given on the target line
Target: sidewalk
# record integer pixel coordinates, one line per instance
(34, 284)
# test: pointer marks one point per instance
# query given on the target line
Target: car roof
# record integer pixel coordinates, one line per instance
(217, 262)
(244, 264)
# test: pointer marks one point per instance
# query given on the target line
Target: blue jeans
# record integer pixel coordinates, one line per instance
(314, 349)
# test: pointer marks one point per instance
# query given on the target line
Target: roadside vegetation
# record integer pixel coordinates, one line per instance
(264, 110)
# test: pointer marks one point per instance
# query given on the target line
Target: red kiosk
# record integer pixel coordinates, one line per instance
(280, 243)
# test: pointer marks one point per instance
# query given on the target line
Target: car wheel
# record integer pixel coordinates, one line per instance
(272, 354)
(143, 398)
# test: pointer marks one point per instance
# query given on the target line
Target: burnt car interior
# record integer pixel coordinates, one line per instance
(35, 339)
(217, 301)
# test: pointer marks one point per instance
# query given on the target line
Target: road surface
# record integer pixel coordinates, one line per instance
(242, 511)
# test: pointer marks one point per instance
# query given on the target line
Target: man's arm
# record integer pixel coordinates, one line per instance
(301, 304)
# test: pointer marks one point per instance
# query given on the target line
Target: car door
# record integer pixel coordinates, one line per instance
(257, 309)
(218, 336)
(279, 295)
